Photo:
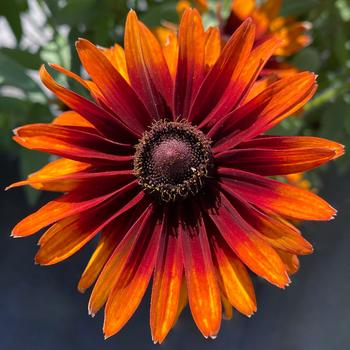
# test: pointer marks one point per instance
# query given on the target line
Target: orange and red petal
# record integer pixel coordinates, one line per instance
(203, 290)
(116, 56)
(67, 205)
(167, 282)
(278, 197)
(49, 178)
(113, 268)
(102, 120)
(278, 232)
(278, 101)
(233, 277)
(121, 98)
(252, 250)
(190, 67)
(130, 285)
(111, 236)
(269, 162)
(241, 86)
(76, 143)
(147, 68)
(220, 90)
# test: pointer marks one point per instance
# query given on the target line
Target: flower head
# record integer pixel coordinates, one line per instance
(168, 161)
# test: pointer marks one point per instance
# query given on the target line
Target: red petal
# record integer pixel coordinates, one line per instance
(110, 238)
(247, 245)
(271, 227)
(167, 283)
(240, 85)
(67, 236)
(121, 98)
(114, 266)
(272, 195)
(67, 205)
(71, 142)
(278, 101)
(235, 281)
(130, 285)
(190, 66)
(148, 70)
(96, 115)
(222, 77)
(203, 290)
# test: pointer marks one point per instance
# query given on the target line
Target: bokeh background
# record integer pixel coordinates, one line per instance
(40, 306)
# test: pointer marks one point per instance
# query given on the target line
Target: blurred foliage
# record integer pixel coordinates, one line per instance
(51, 39)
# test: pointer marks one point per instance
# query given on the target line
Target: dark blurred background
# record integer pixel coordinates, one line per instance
(41, 307)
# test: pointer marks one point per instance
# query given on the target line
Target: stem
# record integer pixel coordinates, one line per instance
(328, 95)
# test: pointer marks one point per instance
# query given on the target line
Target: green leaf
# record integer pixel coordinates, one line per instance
(11, 10)
(24, 58)
(13, 74)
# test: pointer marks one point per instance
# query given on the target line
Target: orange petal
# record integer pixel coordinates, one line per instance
(234, 279)
(278, 197)
(116, 56)
(291, 261)
(71, 118)
(190, 67)
(247, 245)
(212, 46)
(100, 118)
(115, 264)
(228, 310)
(259, 86)
(292, 36)
(67, 205)
(166, 288)
(221, 87)
(66, 237)
(203, 290)
(45, 178)
(131, 283)
(121, 98)
(270, 8)
(110, 238)
(168, 41)
(148, 71)
(278, 101)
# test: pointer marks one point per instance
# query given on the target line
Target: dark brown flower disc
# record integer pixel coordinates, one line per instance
(173, 160)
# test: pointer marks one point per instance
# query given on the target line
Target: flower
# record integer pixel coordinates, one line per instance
(167, 159)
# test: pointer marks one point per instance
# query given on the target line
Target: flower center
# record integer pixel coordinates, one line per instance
(173, 160)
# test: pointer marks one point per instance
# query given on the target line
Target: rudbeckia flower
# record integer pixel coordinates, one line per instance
(169, 162)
